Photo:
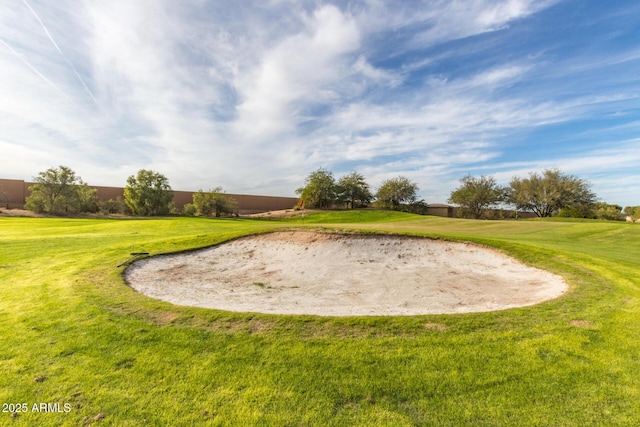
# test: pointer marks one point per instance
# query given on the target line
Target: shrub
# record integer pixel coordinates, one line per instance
(189, 209)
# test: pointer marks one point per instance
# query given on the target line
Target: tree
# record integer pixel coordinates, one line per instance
(319, 190)
(475, 195)
(213, 202)
(189, 209)
(419, 207)
(604, 210)
(148, 193)
(632, 211)
(549, 192)
(111, 206)
(352, 189)
(60, 190)
(395, 191)
(86, 198)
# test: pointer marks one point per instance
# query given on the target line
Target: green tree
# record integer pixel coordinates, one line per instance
(577, 212)
(550, 192)
(86, 198)
(319, 190)
(111, 206)
(632, 211)
(419, 207)
(148, 193)
(189, 209)
(604, 210)
(476, 195)
(60, 190)
(213, 202)
(395, 191)
(353, 188)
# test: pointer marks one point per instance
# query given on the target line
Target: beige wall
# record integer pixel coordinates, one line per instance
(446, 211)
(247, 204)
(13, 194)
(109, 193)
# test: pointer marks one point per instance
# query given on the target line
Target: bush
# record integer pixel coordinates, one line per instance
(214, 202)
(107, 207)
(609, 212)
(189, 209)
(418, 207)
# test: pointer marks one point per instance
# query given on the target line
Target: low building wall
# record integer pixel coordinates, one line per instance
(13, 194)
(440, 210)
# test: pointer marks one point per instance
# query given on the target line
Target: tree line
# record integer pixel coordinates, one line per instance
(551, 192)
(61, 191)
(321, 190)
(148, 193)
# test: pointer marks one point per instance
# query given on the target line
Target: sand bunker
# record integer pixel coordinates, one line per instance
(331, 274)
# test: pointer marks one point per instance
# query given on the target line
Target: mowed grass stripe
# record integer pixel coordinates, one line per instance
(72, 332)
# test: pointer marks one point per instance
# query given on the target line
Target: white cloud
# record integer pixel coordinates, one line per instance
(254, 95)
(457, 19)
(302, 67)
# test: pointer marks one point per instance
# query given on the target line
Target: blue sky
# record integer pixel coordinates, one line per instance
(254, 95)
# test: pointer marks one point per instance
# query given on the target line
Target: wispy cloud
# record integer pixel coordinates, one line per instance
(34, 69)
(255, 95)
(44, 28)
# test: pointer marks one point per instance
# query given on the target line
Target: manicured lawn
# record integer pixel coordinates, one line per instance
(71, 332)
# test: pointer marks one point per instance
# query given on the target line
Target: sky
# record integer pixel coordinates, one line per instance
(253, 96)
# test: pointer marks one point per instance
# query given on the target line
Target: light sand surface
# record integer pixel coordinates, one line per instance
(334, 274)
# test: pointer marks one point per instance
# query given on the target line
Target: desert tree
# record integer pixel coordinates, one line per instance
(394, 192)
(549, 192)
(603, 210)
(213, 203)
(189, 209)
(353, 189)
(148, 193)
(60, 190)
(476, 195)
(319, 190)
(632, 211)
(112, 206)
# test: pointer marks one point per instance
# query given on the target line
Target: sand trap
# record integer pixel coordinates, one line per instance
(331, 274)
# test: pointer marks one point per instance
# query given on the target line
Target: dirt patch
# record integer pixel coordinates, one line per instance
(285, 213)
(332, 274)
(18, 212)
(435, 327)
(581, 323)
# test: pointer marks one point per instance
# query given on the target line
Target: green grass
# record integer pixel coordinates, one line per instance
(72, 332)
